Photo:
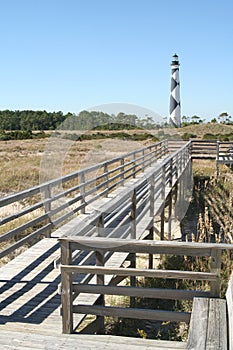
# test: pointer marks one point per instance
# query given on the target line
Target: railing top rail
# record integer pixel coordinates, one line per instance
(225, 142)
(101, 243)
(203, 141)
(41, 187)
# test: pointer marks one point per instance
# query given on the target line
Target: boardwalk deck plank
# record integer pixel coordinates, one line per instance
(19, 341)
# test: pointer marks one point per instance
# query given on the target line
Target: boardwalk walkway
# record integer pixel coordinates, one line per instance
(28, 289)
(30, 308)
(30, 316)
(30, 303)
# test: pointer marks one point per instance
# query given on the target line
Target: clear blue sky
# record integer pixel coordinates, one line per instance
(70, 55)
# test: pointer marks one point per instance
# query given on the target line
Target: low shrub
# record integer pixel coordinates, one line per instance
(187, 136)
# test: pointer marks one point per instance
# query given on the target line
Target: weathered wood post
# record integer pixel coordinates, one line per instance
(106, 179)
(134, 162)
(152, 206)
(152, 155)
(47, 207)
(133, 236)
(166, 146)
(66, 288)
(170, 199)
(163, 189)
(133, 214)
(180, 163)
(123, 171)
(176, 186)
(82, 191)
(152, 195)
(143, 162)
(215, 267)
(217, 158)
(100, 278)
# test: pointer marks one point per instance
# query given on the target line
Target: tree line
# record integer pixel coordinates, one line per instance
(42, 120)
(222, 118)
(29, 120)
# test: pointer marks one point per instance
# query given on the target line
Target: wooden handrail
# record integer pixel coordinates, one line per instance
(52, 210)
(102, 245)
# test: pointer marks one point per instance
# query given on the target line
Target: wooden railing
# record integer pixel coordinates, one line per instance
(126, 216)
(224, 154)
(40, 209)
(144, 197)
(205, 149)
(101, 247)
(224, 149)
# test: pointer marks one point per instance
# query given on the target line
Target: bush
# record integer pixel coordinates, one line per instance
(72, 137)
(210, 137)
(16, 135)
(187, 136)
(41, 135)
(220, 137)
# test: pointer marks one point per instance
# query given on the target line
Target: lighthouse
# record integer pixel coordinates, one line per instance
(175, 111)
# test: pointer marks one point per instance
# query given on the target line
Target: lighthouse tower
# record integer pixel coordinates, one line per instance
(175, 111)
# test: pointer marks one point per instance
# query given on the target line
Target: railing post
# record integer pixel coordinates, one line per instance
(185, 157)
(191, 148)
(152, 195)
(169, 215)
(162, 218)
(163, 182)
(156, 152)
(180, 163)
(123, 170)
(47, 207)
(143, 157)
(176, 168)
(133, 214)
(166, 146)
(152, 154)
(133, 236)
(134, 168)
(82, 191)
(100, 278)
(171, 172)
(151, 237)
(100, 226)
(66, 287)
(217, 158)
(215, 267)
(106, 178)
(162, 149)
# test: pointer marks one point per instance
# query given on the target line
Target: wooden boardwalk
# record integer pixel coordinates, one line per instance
(29, 285)
(28, 291)
(30, 303)
(30, 308)
(25, 341)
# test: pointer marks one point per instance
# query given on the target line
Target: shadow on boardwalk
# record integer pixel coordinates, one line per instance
(29, 285)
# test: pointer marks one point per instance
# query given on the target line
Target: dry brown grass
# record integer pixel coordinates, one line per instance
(204, 167)
(202, 129)
(20, 160)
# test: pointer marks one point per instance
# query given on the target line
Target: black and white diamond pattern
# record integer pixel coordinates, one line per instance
(175, 111)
